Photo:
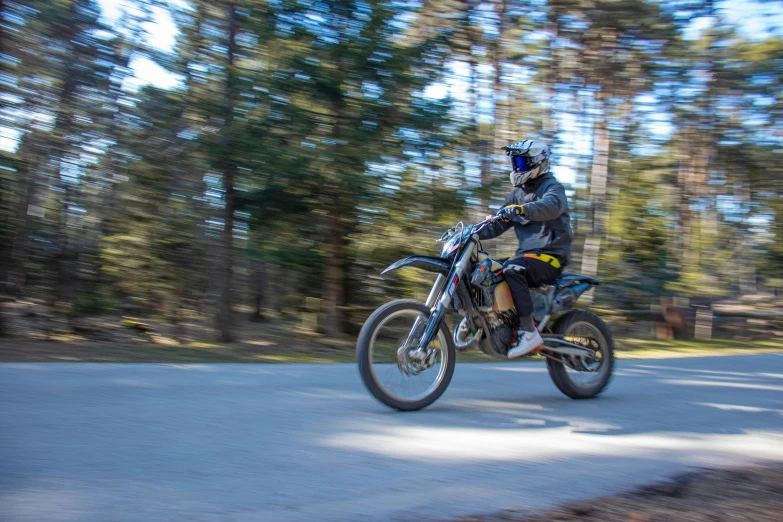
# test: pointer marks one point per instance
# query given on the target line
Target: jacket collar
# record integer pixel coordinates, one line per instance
(533, 184)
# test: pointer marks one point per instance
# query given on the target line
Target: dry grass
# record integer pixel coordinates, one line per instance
(655, 349)
(142, 350)
(299, 347)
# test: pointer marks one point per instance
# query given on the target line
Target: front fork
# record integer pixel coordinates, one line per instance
(440, 282)
(408, 353)
(442, 304)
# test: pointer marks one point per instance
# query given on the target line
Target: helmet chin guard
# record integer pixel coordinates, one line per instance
(520, 178)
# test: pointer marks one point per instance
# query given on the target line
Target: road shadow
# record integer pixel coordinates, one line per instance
(682, 399)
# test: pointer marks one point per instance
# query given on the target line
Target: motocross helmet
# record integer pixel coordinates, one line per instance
(529, 159)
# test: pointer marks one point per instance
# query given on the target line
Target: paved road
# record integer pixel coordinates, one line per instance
(233, 442)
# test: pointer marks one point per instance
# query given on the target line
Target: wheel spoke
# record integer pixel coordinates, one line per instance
(586, 334)
(394, 363)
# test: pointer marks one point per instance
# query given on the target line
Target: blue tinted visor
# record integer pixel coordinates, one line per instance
(520, 162)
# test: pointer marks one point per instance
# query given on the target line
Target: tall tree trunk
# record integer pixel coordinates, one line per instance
(260, 284)
(597, 210)
(66, 260)
(691, 189)
(68, 281)
(693, 184)
(54, 145)
(684, 176)
(695, 149)
(502, 133)
(117, 167)
(6, 234)
(478, 140)
(228, 167)
(335, 275)
(694, 156)
(747, 276)
(549, 123)
(28, 175)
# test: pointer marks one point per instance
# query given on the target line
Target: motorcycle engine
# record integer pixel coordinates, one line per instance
(501, 333)
(501, 339)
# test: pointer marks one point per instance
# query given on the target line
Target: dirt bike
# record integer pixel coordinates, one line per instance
(406, 354)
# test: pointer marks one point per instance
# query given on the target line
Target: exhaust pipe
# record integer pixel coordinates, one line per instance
(461, 340)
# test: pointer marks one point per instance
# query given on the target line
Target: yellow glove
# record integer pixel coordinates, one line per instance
(511, 211)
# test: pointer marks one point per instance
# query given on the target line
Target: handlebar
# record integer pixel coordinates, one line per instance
(475, 229)
(478, 227)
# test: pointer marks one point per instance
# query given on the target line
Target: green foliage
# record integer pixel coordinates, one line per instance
(305, 149)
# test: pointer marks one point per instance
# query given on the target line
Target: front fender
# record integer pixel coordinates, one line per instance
(428, 263)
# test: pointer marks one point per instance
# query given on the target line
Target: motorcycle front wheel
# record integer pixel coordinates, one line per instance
(390, 365)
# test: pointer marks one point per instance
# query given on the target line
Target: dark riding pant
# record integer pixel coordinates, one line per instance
(522, 273)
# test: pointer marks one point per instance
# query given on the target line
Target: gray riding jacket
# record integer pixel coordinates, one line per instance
(545, 226)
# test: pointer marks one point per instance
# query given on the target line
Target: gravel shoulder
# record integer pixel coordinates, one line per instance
(753, 494)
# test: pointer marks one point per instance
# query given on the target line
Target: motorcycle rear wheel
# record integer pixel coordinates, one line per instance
(582, 327)
(384, 379)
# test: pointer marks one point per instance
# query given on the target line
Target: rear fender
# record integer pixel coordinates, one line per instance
(568, 280)
(566, 297)
(428, 263)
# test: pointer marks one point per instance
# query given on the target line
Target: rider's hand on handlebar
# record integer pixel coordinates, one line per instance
(510, 212)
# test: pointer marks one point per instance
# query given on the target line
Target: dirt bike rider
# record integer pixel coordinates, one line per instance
(537, 208)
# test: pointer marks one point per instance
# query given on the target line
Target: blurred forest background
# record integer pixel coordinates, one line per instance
(207, 163)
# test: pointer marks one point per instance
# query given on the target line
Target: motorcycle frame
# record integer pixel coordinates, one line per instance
(439, 301)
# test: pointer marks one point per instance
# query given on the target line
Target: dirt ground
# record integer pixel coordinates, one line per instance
(296, 346)
(36, 336)
(750, 494)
